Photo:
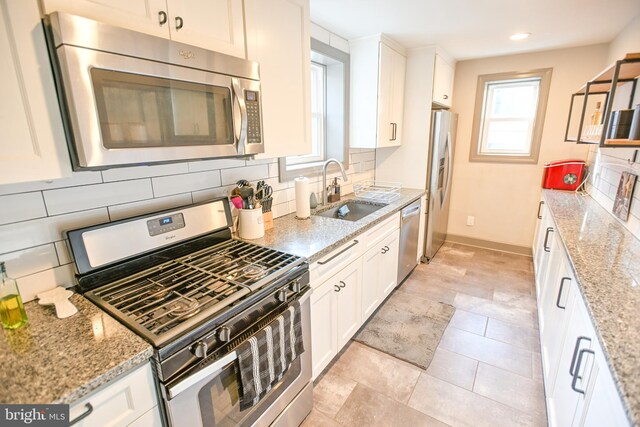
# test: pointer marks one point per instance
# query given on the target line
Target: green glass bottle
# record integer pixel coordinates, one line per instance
(12, 314)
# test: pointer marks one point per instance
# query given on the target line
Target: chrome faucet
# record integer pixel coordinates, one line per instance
(325, 198)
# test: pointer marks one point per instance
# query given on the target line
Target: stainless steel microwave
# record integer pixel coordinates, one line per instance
(135, 99)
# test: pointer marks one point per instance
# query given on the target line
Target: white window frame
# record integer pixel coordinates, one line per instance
(334, 131)
(479, 152)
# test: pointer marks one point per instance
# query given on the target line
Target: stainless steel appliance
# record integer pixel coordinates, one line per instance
(180, 281)
(409, 230)
(130, 98)
(441, 146)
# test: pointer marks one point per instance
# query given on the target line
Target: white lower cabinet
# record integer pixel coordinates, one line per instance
(341, 302)
(579, 387)
(335, 314)
(129, 400)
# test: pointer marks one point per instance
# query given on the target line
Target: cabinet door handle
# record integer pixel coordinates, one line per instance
(162, 17)
(383, 251)
(386, 248)
(575, 354)
(84, 415)
(445, 96)
(355, 242)
(336, 288)
(560, 292)
(546, 239)
(342, 284)
(577, 377)
(179, 22)
(540, 208)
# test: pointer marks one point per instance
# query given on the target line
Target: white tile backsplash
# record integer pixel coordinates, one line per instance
(32, 240)
(175, 184)
(128, 210)
(21, 207)
(136, 172)
(86, 197)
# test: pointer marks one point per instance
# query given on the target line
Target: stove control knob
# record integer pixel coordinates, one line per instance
(199, 349)
(281, 295)
(224, 334)
(295, 286)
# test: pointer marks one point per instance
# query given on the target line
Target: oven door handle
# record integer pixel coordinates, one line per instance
(202, 374)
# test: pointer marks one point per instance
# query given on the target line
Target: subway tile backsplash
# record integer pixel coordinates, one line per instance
(35, 215)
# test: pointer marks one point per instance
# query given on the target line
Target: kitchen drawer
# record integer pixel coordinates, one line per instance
(335, 261)
(374, 235)
(120, 402)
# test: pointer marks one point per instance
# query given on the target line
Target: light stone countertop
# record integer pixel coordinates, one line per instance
(53, 360)
(315, 237)
(605, 257)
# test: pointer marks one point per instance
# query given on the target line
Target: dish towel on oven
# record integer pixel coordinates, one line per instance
(265, 357)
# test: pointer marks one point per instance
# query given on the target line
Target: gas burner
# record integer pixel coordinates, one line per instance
(253, 271)
(155, 293)
(183, 307)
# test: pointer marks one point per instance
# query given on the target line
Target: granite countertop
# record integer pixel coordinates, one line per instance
(606, 262)
(53, 360)
(315, 237)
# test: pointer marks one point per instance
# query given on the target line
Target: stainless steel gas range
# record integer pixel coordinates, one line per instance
(180, 281)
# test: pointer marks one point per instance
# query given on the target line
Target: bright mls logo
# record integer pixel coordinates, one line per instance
(34, 415)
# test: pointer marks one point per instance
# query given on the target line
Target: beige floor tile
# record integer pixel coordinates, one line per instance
(516, 299)
(486, 350)
(456, 283)
(366, 407)
(330, 393)
(469, 322)
(513, 390)
(318, 419)
(508, 314)
(527, 338)
(537, 367)
(453, 368)
(459, 407)
(385, 374)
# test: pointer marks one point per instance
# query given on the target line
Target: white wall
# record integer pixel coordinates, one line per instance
(503, 197)
(607, 164)
(35, 215)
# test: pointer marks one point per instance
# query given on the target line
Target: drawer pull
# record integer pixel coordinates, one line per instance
(546, 239)
(179, 22)
(355, 242)
(560, 293)
(336, 288)
(577, 377)
(342, 284)
(162, 17)
(84, 415)
(575, 354)
(540, 208)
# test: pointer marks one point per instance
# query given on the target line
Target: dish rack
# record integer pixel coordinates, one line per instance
(377, 191)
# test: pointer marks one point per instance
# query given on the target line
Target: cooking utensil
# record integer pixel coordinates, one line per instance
(247, 197)
(237, 202)
(243, 183)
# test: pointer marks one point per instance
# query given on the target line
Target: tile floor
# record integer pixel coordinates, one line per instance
(486, 370)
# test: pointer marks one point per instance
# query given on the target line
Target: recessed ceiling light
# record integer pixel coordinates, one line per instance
(520, 36)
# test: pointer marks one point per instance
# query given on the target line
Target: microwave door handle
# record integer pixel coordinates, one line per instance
(238, 96)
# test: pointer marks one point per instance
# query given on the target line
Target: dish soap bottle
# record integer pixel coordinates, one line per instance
(12, 314)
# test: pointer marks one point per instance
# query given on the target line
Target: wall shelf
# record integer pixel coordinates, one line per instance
(604, 85)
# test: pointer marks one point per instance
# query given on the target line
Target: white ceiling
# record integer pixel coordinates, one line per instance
(478, 28)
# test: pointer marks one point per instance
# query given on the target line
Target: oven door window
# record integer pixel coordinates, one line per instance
(219, 399)
(138, 111)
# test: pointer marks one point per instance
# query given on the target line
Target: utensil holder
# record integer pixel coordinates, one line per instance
(250, 223)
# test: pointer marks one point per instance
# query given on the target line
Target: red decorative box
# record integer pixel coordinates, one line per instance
(563, 174)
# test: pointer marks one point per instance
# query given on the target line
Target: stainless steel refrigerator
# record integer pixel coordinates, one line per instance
(439, 173)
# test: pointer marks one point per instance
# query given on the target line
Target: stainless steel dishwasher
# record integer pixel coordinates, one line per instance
(409, 228)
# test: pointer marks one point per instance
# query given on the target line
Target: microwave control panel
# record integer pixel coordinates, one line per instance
(254, 131)
(165, 224)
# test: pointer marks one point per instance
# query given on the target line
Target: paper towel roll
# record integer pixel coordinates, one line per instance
(303, 210)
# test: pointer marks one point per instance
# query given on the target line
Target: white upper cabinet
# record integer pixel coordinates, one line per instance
(442, 82)
(278, 37)
(212, 24)
(377, 92)
(33, 142)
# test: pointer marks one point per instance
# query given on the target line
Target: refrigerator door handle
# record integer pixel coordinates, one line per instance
(449, 168)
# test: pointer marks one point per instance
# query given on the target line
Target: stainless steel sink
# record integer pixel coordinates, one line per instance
(357, 210)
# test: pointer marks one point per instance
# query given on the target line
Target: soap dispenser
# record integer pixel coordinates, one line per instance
(334, 191)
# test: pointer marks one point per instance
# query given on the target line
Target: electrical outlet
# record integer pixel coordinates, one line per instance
(471, 220)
